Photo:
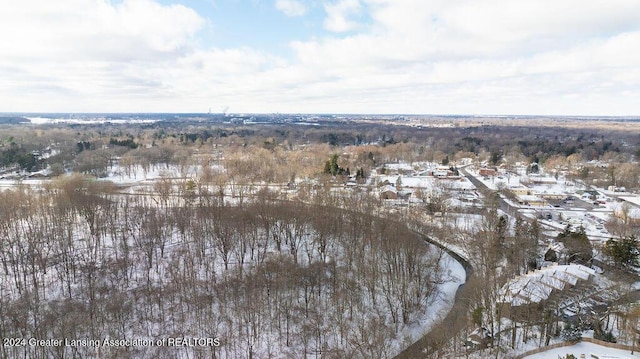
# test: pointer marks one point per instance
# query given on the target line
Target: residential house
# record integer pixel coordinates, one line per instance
(388, 192)
(488, 171)
(525, 296)
(480, 338)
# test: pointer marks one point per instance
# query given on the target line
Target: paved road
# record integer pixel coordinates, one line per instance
(502, 204)
(455, 320)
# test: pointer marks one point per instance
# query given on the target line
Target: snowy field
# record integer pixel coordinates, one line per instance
(588, 349)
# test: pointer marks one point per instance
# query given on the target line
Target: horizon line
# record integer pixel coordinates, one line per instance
(231, 114)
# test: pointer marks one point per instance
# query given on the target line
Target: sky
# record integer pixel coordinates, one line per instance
(500, 57)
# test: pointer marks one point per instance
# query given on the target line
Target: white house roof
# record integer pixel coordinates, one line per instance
(460, 183)
(529, 198)
(536, 286)
(388, 188)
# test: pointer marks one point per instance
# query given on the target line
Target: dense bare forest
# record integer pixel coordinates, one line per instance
(269, 277)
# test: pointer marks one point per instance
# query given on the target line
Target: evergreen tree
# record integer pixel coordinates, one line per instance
(331, 167)
(577, 245)
(624, 251)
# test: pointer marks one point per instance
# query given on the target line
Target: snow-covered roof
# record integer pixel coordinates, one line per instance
(537, 286)
(556, 246)
(529, 198)
(566, 277)
(595, 350)
(398, 166)
(534, 291)
(542, 179)
(633, 212)
(388, 188)
(459, 183)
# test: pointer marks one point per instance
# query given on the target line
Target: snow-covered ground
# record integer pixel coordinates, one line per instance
(442, 303)
(143, 180)
(586, 349)
(592, 221)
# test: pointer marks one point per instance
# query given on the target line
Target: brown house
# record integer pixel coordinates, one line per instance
(388, 192)
(487, 171)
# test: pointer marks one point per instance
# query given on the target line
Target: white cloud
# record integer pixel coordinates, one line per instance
(291, 7)
(339, 13)
(493, 56)
(133, 29)
(438, 56)
(72, 52)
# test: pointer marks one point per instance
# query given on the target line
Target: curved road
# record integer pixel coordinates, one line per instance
(455, 320)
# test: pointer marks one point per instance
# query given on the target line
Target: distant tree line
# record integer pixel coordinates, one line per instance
(91, 148)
